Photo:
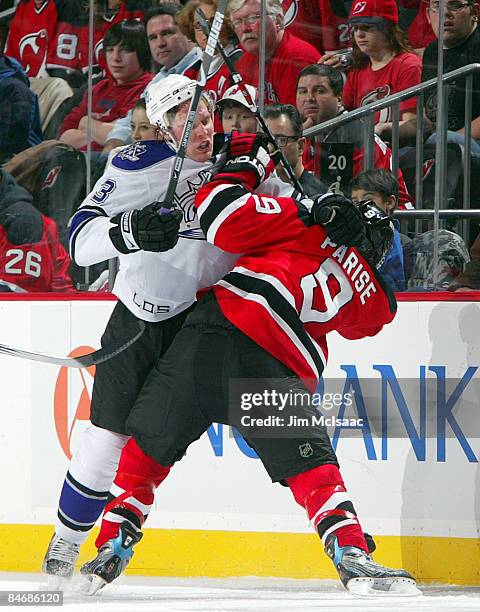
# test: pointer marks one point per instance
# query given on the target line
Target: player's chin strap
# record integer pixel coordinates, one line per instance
(83, 361)
(207, 58)
(277, 155)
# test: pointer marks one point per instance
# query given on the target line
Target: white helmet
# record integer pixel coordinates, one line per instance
(166, 94)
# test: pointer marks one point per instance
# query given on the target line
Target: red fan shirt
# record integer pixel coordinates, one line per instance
(282, 70)
(365, 85)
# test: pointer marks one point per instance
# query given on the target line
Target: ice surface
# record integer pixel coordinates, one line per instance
(134, 593)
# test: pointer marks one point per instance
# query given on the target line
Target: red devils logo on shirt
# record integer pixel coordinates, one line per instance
(51, 178)
(64, 425)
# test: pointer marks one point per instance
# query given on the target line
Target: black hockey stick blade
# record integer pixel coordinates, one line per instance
(207, 58)
(238, 80)
(84, 361)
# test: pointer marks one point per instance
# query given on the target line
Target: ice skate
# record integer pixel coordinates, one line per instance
(361, 575)
(112, 558)
(59, 561)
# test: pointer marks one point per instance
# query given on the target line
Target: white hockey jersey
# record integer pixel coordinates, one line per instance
(153, 286)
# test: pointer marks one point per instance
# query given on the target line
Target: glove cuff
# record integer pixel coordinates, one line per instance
(121, 234)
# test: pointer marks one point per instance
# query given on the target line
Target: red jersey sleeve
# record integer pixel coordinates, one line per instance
(238, 221)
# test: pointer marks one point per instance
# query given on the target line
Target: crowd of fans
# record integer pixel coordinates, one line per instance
(323, 58)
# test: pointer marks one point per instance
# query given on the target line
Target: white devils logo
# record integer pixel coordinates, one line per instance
(378, 94)
(359, 8)
(290, 10)
(31, 44)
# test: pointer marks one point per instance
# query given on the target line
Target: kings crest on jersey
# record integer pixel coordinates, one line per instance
(154, 286)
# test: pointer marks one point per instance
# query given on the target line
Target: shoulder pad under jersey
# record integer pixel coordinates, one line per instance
(142, 155)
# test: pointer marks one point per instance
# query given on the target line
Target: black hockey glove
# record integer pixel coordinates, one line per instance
(342, 219)
(150, 229)
(379, 233)
(248, 160)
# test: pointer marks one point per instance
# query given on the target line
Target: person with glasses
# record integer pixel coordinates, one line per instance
(286, 54)
(383, 61)
(286, 126)
(219, 78)
(461, 46)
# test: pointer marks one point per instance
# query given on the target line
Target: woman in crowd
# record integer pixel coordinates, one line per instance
(383, 61)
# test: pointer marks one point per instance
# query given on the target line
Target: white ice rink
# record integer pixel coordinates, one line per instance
(134, 594)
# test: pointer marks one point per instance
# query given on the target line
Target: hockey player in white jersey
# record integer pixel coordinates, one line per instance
(164, 260)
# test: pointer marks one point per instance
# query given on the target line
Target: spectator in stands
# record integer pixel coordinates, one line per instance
(234, 111)
(20, 125)
(142, 129)
(285, 124)
(171, 49)
(337, 156)
(218, 78)
(32, 31)
(383, 61)
(461, 45)
(68, 56)
(381, 187)
(32, 257)
(286, 54)
(128, 59)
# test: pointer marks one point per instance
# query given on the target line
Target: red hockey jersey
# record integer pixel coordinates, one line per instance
(322, 23)
(69, 50)
(293, 285)
(32, 32)
(35, 266)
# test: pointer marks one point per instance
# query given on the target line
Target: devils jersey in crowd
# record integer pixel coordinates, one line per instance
(293, 285)
(70, 48)
(281, 70)
(322, 23)
(33, 29)
(32, 257)
(153, 286)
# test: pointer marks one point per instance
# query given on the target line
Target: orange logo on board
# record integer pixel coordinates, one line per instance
(63, 427)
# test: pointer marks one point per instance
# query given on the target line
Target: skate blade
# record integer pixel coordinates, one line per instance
(383, 587)
(96, 584)
(55, 582)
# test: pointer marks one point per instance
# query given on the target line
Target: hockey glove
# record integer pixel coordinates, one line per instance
(342, 219)
(248, 160)
(379, 233)
(146, 229)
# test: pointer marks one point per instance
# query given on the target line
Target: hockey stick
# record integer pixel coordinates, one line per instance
(84, 361)
(207, 58)
(238, 80)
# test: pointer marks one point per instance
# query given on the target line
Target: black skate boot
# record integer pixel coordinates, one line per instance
(112, 558)
(361, 575)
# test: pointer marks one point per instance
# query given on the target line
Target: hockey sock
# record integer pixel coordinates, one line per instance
(132, 492)
(322, 493)
(88, 480)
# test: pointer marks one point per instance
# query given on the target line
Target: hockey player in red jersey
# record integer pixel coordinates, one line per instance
(268, 317)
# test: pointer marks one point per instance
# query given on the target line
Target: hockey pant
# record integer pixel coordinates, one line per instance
(320, 491)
